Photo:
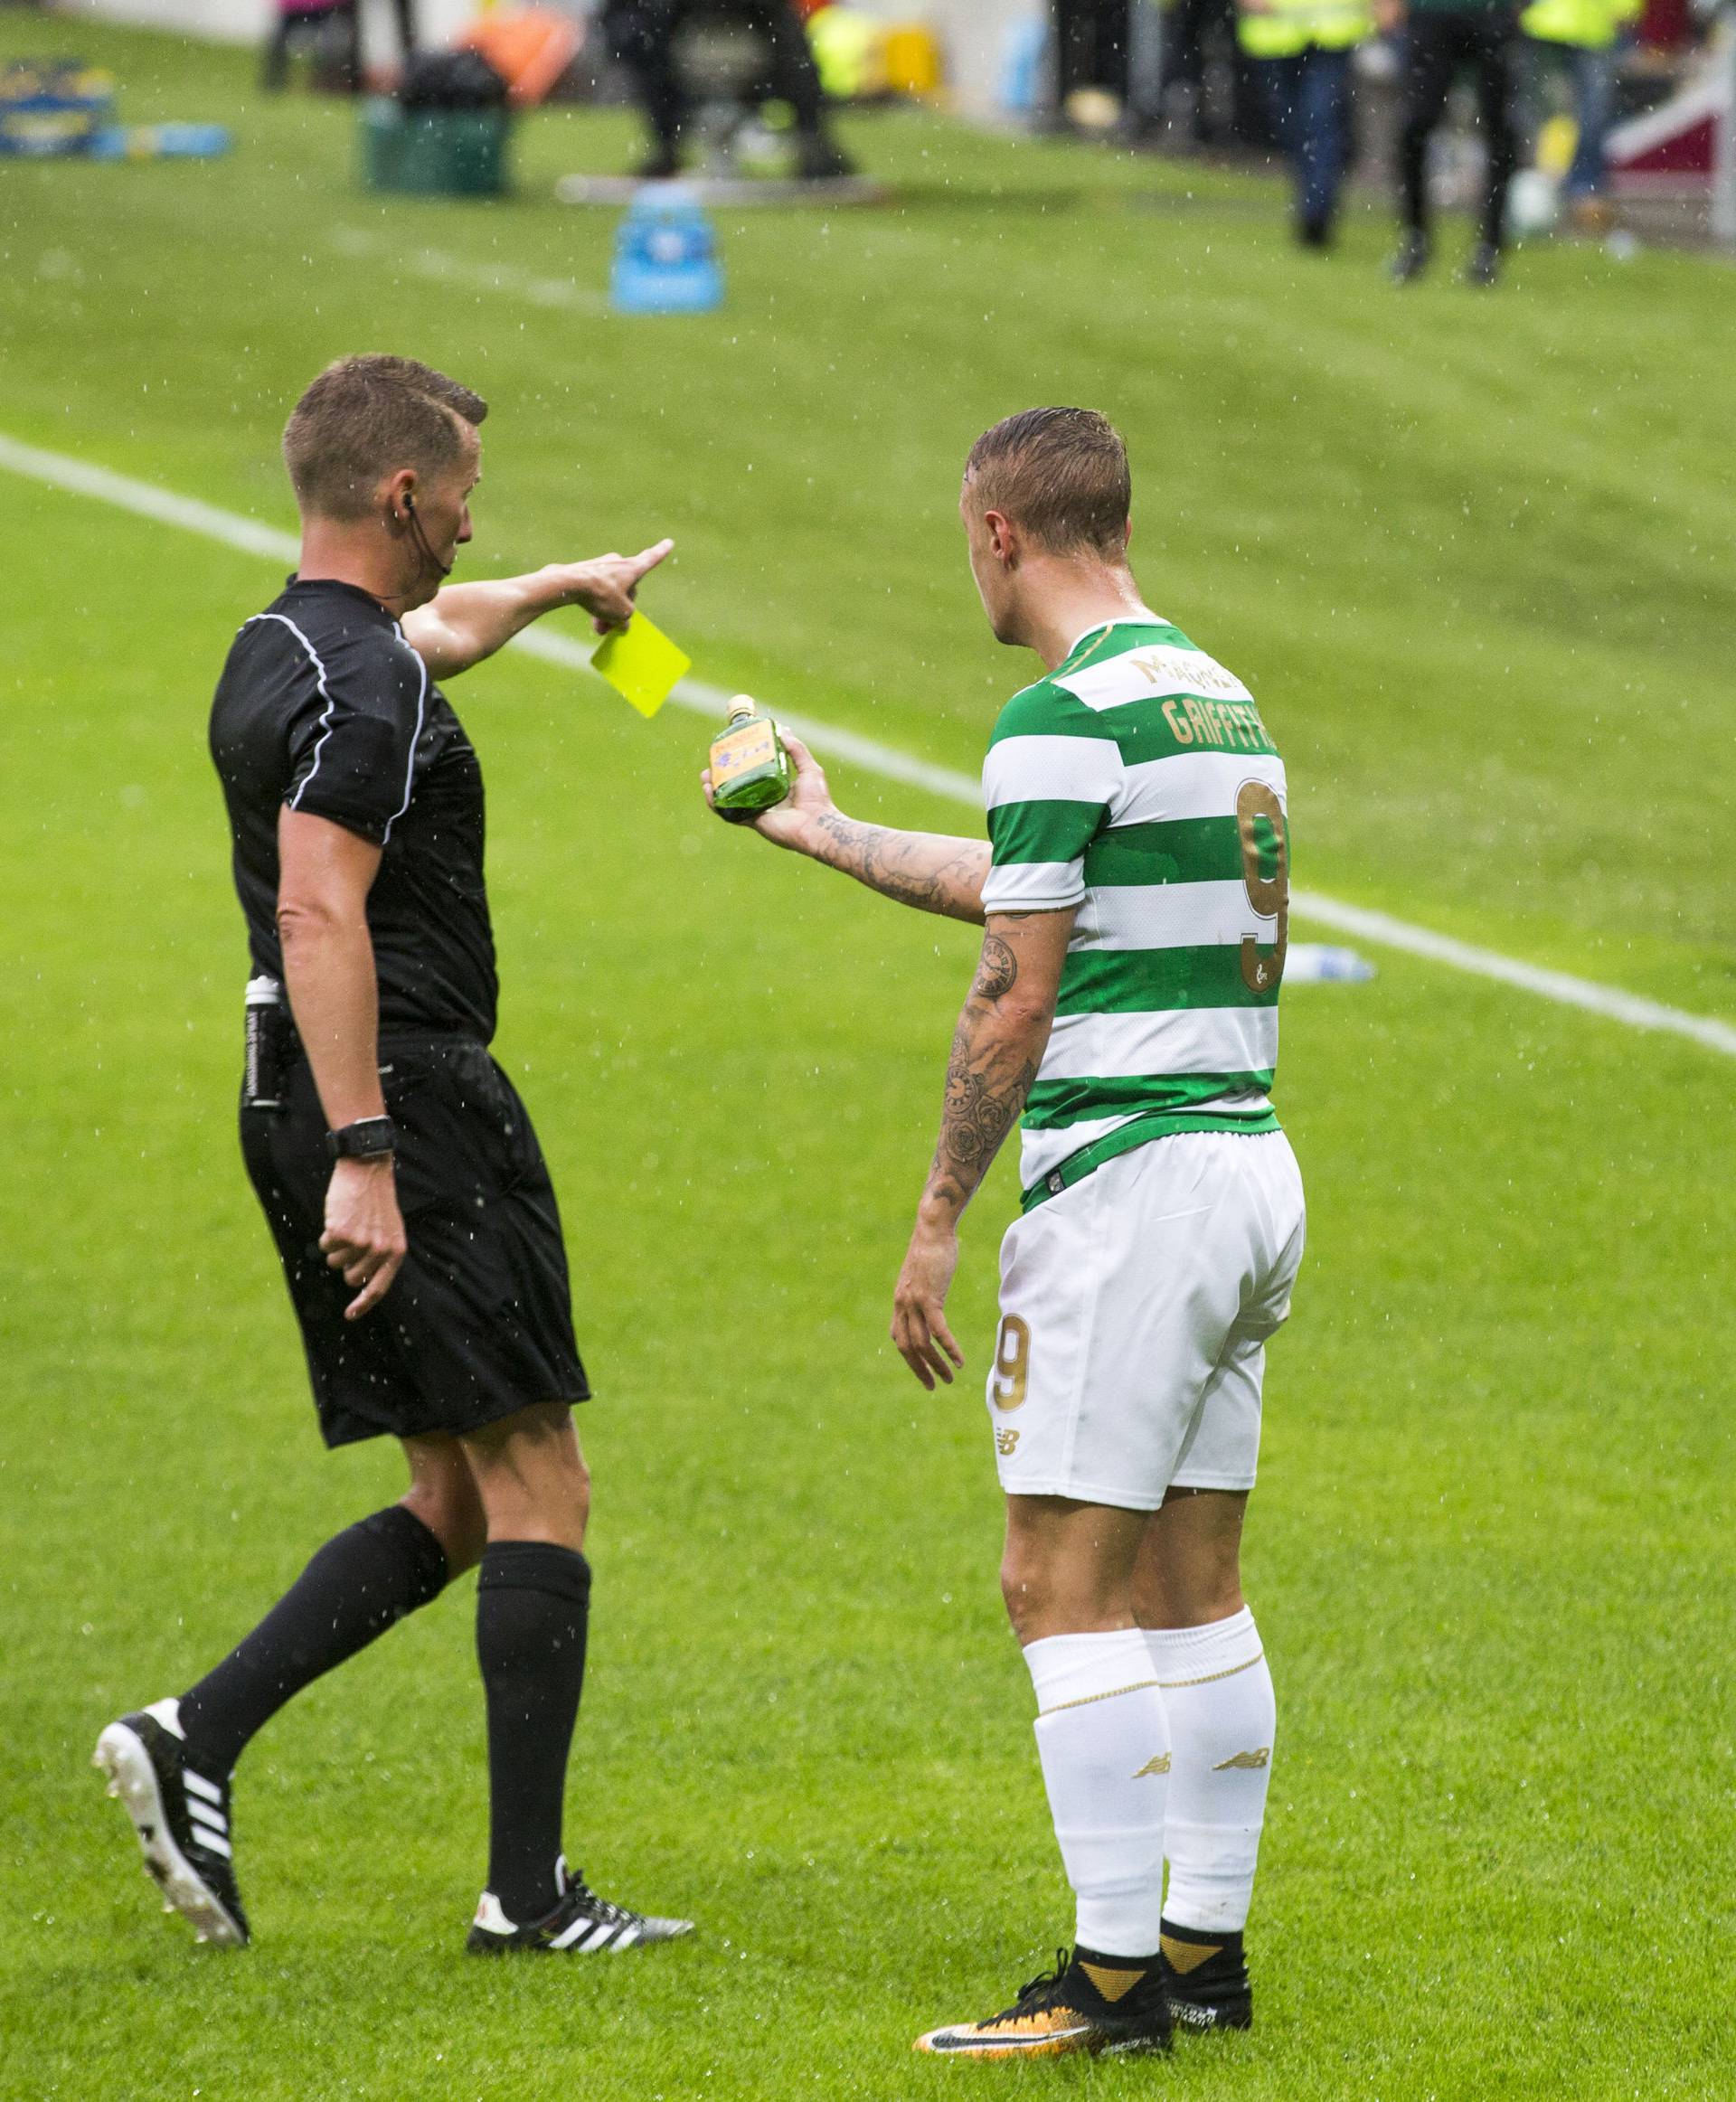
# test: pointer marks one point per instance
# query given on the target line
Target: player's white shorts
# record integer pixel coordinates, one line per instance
(1135, 1309)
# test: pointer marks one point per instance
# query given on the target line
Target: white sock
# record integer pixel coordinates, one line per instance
(1221, 1716)
(1104, 1742)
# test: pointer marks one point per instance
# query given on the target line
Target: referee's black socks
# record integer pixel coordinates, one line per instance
(354, 1589)
(532, 1609)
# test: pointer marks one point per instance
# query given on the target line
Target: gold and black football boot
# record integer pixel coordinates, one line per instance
(1107, 2005)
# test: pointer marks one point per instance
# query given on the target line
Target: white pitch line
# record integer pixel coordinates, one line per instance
(1609, 1001)
(165, 507)
(62, 471)
(439, 267)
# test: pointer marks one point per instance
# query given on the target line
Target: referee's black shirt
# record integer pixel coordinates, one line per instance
(324, 706)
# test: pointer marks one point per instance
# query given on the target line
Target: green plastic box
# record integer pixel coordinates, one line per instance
(434, 153)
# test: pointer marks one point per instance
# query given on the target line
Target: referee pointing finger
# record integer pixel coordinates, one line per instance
(394, 1161)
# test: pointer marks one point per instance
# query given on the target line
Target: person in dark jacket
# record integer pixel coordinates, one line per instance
(644, 36)
(1442, 38)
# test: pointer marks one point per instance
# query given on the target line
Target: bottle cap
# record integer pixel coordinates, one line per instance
(743, 704)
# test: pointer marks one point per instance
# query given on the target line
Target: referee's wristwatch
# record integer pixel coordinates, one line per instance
(371, 1139)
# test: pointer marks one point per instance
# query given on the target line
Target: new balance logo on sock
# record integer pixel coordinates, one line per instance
(1253, 1760)
(1160, 1764)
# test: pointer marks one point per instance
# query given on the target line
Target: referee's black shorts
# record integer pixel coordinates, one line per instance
(478, 1322)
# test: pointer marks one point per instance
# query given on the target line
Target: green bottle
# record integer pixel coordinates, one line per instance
(749, 766)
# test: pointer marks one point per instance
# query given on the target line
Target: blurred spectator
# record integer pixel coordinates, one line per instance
(1442, 36)
(327, 33)
(644, 36)
(1303, 49)
(1198, 34)
(1091, 41)
(1588, 34)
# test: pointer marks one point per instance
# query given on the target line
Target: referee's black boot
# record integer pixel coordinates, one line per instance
(581, 1924)
(181, 1818)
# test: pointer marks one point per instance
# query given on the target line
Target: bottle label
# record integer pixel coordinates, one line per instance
(738, 752)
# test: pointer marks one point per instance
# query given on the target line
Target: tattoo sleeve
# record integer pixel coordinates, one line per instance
(925, 870)
(989, 1073)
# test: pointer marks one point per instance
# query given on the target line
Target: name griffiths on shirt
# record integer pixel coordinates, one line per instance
(1231, 725)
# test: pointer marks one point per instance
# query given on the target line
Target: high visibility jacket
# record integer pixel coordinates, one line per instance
(1591, 24)
(848, 51)
(1279, 29)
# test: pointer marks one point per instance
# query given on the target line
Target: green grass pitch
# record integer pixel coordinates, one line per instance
(1472, 554)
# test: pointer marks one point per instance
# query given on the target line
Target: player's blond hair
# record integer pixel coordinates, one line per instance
(1061, 474)
(363, 418)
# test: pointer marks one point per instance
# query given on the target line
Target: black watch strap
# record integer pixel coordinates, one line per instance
(365, 1141)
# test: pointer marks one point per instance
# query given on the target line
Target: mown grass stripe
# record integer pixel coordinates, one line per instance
(189, 514)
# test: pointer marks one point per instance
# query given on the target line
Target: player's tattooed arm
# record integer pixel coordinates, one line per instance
(931, 870)
(996, 1049)
(988, 1077)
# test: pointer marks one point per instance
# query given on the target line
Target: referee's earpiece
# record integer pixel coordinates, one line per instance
(415, 525)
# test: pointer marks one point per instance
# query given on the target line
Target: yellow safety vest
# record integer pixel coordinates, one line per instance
(1591, 24)
(1279, 29)
(848, 52)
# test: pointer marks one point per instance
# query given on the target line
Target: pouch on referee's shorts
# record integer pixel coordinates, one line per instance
(270, 1045)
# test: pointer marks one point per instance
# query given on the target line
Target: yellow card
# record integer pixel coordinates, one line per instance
(640, 661)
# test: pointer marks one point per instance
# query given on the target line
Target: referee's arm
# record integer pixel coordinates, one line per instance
(464, 623)
(325, 874)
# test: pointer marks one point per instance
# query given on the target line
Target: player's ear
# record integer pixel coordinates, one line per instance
(1003, 536)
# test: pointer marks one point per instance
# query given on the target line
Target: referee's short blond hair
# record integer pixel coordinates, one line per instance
(363, 418)
(1061, 474)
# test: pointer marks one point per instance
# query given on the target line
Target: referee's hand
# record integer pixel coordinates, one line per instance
(605, 586)
(364, 1231)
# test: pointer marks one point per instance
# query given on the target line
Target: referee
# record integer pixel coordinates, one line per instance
(396, 1168)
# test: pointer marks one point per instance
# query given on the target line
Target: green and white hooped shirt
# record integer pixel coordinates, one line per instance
(1138, 783)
